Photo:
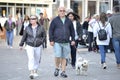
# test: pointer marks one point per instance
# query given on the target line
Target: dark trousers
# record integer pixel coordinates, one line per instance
(73, 53)
(90, 40)
(45, 43)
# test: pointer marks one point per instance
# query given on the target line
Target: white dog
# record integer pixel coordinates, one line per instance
(81, 66)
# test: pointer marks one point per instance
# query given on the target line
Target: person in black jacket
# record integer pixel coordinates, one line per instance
(33, 36)
(1, 27)
(9, 26)
(78, 35)
(25, 23)
(61, 28)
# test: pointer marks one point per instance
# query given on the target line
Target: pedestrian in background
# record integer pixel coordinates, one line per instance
(85, 30)
(92, 22)
(44, 21)
(25, 23)
(33, 36)
(1, 27)
(18, 25)
(110, 46)
(61, 28)
(9, 26)
(78, 35)
(86, 23)
(115, 23)
(103, 24)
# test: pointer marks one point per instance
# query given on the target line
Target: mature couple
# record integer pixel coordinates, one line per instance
(61, 29)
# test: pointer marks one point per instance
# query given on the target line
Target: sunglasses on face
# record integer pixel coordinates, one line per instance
(62, 10)
(32, 18)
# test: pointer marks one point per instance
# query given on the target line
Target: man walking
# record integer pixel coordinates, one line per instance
(115, 23)
(61, 28)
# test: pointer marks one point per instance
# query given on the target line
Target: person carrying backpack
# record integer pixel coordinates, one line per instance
(103, 25)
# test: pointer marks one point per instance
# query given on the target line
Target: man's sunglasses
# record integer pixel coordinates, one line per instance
(62, 10)
(32, 18)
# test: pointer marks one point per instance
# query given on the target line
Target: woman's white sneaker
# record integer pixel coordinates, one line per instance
(104, 66)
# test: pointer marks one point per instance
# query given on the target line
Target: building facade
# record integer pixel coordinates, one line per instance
(86, 8)
(83, 8)
(20, 8)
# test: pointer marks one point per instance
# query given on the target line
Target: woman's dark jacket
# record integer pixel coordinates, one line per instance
(29, 38)
(79, 29)
(85, 25)
(8, 27)
(1, 27)
(59, 32)
(22, 29)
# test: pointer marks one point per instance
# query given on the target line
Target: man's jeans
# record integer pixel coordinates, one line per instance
(116, 45)
(9, 35)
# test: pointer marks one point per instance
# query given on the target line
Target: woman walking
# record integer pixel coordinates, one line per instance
(103, 24)
(78, 34)
(24, 24)
(33, 36)
(9, 26)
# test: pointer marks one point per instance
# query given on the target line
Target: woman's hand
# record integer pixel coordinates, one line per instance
(21, 48)
(73, 43)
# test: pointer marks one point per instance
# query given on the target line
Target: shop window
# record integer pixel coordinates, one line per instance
(3, 11)
(45, 5)
(19, 4)
(116, 2)
(11, 4)
(33, 5)
(39, 5)
(0, 12)
(26, 4)
(75, 7)
(104, 6)
(91, 7)
(3, 3)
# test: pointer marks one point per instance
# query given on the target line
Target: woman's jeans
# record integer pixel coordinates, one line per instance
(116, 45)
(102, 49)
(9, 36)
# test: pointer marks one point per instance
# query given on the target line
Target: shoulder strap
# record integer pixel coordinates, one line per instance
(105, 25)
(98, 24)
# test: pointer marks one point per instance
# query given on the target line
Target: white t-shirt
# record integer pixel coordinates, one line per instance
(26, 23)
(91, 25)
(75, 27)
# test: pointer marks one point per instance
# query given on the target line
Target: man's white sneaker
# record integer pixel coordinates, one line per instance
(31, 76)
(35, 75)
(11, 47)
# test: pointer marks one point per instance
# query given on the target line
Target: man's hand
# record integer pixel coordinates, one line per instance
(73, 43)
(21, 48)
(52, 43)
